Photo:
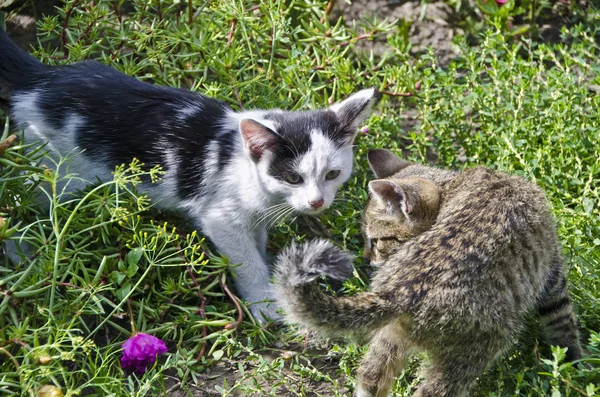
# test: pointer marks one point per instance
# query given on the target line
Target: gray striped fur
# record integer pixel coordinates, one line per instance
(462, 258)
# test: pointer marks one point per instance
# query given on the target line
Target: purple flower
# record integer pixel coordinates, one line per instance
(141, 350)
(501, 2)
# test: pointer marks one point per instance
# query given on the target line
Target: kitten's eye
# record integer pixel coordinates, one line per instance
(293, 178)
(332, 174)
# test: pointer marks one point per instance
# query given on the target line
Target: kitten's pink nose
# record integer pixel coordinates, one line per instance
(317, 203)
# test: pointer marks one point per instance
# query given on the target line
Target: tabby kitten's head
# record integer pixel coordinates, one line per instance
(399, 207)
(304, 157)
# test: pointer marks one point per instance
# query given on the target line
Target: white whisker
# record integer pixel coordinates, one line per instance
(271, 215)
(282, 215)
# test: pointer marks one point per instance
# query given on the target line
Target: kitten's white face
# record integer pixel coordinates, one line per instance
(303, 158)
(310, 183)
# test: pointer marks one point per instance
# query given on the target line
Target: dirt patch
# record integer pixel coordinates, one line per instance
(275, 372)
(429, 24)
(21, 17)
(21, 28)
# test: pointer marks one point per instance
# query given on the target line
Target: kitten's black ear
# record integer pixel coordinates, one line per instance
(385, 163)
(258, 138)
(394, 195)
(354, 111)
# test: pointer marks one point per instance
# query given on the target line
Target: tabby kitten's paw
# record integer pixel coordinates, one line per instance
(301, 264)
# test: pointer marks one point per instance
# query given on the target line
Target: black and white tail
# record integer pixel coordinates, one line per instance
(18, 69)
(556, 313)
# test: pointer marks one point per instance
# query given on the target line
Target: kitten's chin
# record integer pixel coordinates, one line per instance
(311, 211)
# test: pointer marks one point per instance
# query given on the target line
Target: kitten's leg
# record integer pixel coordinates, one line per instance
(16, 250)
(388, 353)
(556, 314)
(454, 370)
(448, 381)
(238, 241)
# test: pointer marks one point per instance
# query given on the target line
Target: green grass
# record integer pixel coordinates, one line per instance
(103, 263)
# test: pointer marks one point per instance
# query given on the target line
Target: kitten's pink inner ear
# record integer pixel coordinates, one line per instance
(385, 190)
(391, 193)
(406, 206)
(257, 138)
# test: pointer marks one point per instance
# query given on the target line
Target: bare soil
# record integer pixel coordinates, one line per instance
(430, 24)
(252, 377)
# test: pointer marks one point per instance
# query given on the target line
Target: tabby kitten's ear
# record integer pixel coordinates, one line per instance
(354, 111)
(394, 196)
(257, 138)
(385, 163)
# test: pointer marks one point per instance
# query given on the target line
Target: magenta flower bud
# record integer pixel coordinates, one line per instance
(140, 351)
(501, 2)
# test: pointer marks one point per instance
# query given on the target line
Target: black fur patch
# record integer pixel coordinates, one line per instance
(17, 68)
(554, 306)
(126, 118)
(294, 130)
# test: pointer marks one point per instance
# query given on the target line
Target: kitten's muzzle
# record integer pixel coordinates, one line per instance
(316, 204)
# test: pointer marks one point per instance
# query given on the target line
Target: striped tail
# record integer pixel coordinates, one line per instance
(305, 303)
(556, 313)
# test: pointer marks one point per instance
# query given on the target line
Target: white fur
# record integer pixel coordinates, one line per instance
(230, 220)
(363, 96)
(188, 111)
(360, 392)
(323, 157)
(60, 143)
(167, 187)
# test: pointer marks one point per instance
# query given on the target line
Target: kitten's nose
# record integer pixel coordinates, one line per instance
(316, 204)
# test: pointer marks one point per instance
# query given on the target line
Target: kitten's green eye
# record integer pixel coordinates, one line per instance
(293, 178)
(332, 174)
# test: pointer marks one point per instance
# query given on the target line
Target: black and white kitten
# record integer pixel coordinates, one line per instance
(226, 171)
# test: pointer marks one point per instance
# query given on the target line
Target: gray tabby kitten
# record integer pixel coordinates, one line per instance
(462, 258)
(230, 173)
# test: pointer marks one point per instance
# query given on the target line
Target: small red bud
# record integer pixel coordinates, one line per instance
(230, 326)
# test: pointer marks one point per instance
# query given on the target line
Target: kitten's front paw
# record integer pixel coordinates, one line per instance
(301, 264)
(264, 312)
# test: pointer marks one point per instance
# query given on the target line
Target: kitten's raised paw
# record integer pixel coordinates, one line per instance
(301, 264)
